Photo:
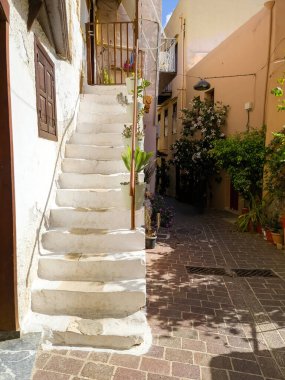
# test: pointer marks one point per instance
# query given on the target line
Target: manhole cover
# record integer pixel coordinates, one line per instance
(206, 271)
(254, 273)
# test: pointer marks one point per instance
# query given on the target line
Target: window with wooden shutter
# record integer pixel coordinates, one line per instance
(45, 87)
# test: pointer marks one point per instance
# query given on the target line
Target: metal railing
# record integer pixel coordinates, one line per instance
(167, 55)
(135, 120)
(111, 49)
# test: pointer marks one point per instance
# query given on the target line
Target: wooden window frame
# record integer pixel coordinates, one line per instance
(44, 134)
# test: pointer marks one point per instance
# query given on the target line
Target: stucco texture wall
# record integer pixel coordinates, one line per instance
(34, 157)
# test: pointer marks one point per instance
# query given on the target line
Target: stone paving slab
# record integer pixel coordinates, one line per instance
(17, 357)
(204, 327)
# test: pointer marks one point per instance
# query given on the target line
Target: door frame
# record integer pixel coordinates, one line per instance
(8, 264)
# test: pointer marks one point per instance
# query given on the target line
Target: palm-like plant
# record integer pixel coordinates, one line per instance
(141, 159)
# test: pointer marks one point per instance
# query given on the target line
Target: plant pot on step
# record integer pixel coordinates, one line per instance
(269, 236)
(150, 242)
(130, 82)
(277, 238)
(139, 196)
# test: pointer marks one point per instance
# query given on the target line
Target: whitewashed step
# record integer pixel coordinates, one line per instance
(101, 267)
(105, 90)
(89, 198)
(105, 118)
(114, 333)
(96, 181)
(101, 127)
(99, 99)
(93, 241)
(77, 165)
(89, 106)
(88, 299)
(104, 139)
(109, 218)
(93, 152)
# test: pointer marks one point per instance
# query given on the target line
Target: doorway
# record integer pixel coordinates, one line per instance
(8, 277)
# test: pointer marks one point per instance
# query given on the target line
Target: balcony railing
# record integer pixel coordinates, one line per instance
(111, 49)
(167, 55)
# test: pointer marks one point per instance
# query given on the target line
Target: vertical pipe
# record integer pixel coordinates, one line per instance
(128, 60)
(115, 52)
(108, 50)
(102, 55)
(133, 179)
(269, 5)
(121, 52)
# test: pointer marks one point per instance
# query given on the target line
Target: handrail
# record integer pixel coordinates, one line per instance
(135, 121)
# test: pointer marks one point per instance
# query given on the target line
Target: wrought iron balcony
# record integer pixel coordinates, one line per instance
(167, 62)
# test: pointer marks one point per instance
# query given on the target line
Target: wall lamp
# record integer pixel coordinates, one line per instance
(202, 85)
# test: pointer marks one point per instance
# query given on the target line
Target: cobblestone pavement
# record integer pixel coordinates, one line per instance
(204, 327)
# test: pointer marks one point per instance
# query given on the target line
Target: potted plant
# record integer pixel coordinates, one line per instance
(127, 137)
(274, 225)
(130, 83)
(150, 233)
(253, 219)
(141, 160)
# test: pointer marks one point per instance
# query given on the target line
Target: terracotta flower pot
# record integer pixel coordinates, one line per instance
(282, 220)
(269, 236)
(259, 229)
(277, 238)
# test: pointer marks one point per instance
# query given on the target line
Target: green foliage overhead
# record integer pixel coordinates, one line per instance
(141, 159)
(243, 157)
(275, 166)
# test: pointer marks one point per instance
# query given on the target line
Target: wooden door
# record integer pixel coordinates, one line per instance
(8, 277)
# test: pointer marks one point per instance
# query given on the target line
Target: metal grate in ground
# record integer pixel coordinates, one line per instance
(254, 273)
(206, 271)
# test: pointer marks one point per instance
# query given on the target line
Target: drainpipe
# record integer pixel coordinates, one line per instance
(183, 23)
(269, 5)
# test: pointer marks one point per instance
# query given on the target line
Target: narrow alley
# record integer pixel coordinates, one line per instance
(204, 326)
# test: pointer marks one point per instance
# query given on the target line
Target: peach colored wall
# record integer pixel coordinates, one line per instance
(207, 24)
(244, 52)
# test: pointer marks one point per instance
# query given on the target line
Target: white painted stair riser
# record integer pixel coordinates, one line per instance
(94, 127)
(87, 181)
(89, 198)
(93, 241)
(87, 117)
(77, 165)
(109, 267)
(105, 90)
(88, 299)
(114, 333)
(87, 106)
(107, 219)
(93, 152)
(104, 139)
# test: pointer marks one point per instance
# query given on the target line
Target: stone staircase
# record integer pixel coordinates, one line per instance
(91, 288)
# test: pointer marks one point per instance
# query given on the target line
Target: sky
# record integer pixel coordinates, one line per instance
(168, 7)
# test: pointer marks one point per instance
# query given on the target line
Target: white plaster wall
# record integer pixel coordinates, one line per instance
(34, 157)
